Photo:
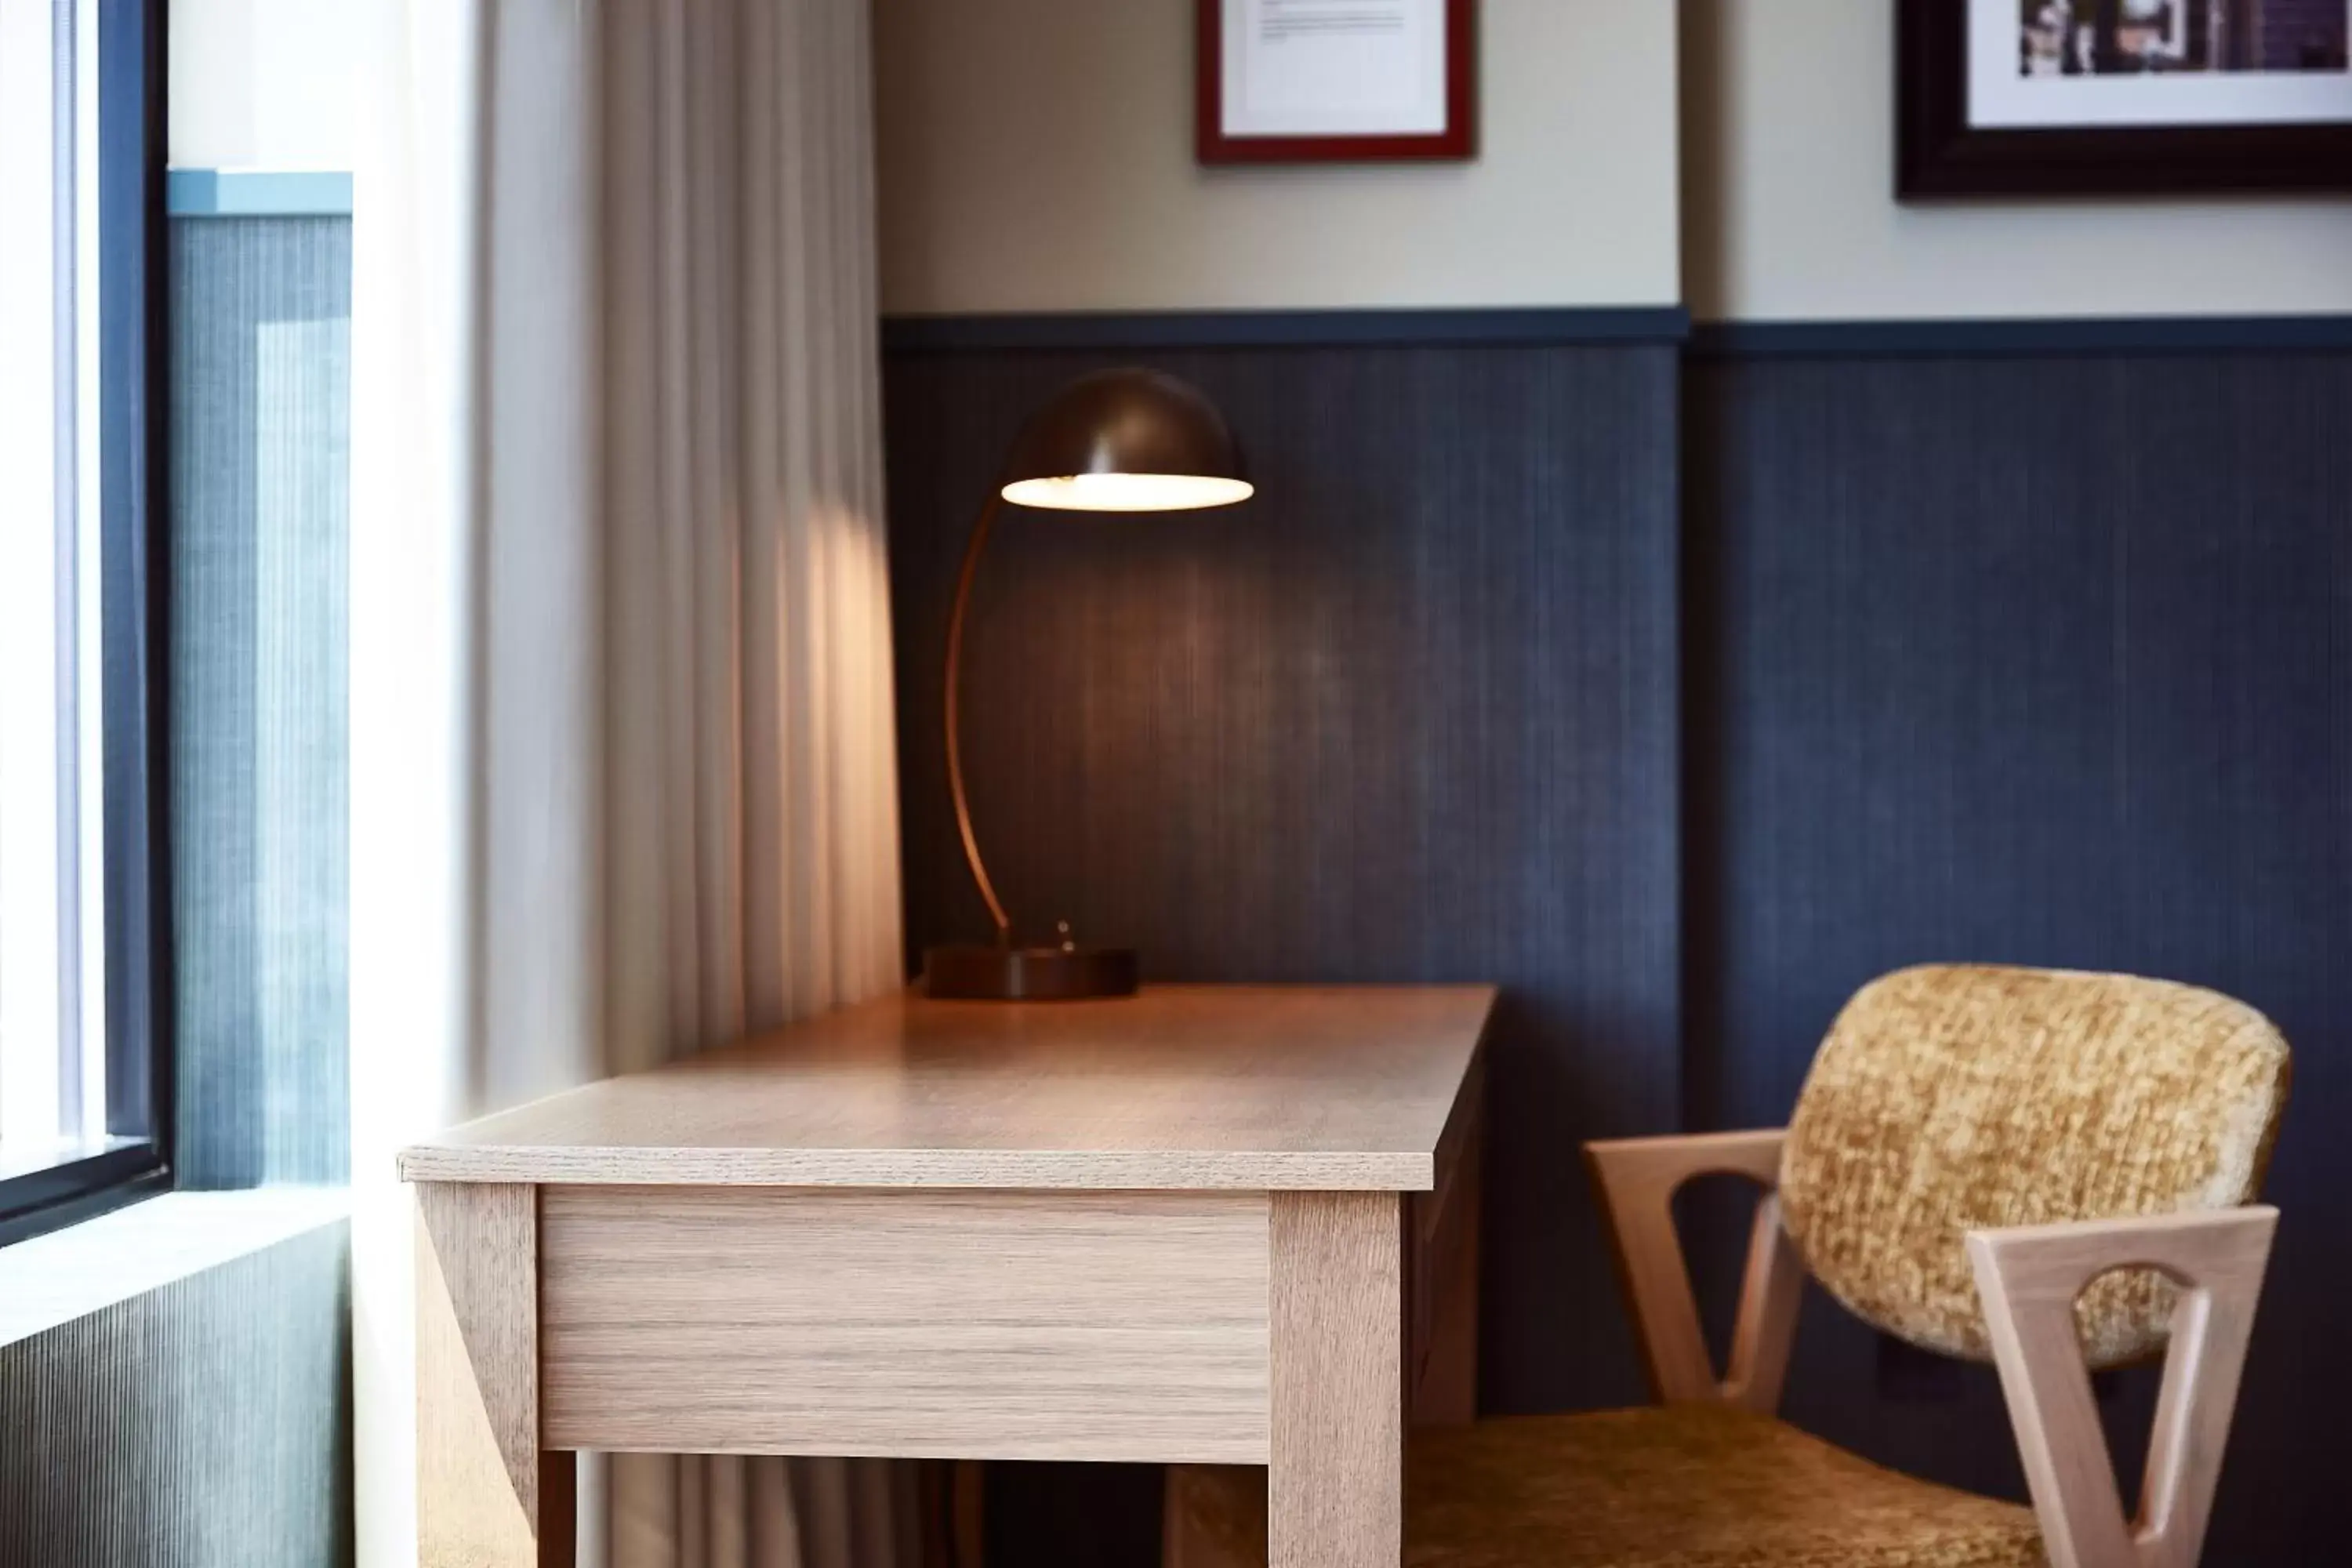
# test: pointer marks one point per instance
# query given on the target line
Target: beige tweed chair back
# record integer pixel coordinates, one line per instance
(1953, 1098)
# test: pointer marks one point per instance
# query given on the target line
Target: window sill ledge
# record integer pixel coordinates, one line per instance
(53, 1280)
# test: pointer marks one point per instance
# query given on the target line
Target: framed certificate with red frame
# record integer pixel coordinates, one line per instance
(1346, 81)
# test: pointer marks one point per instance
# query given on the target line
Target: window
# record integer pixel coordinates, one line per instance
(84, 1085)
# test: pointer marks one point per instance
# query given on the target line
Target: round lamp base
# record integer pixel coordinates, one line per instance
(971, 972)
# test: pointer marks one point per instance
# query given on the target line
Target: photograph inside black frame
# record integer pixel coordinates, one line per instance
(2123, 97)
(2199, 39)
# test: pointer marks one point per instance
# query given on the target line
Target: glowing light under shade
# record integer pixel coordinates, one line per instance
(1128, 492)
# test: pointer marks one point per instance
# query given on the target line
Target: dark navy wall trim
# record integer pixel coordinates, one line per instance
(1568, 327)
(1116, 330)
(2016, 336)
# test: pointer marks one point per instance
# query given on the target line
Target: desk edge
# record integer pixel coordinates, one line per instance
(1042, 1170)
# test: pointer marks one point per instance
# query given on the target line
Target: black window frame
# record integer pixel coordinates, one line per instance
(134, 608)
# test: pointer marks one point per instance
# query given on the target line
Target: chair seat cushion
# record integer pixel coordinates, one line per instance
(1684, 1486)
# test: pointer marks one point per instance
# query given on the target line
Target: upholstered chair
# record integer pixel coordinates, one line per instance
(2048, 1171)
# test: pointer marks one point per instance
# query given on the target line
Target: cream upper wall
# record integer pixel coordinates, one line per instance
(1037, 155)
(1790, 137)
(262, 83)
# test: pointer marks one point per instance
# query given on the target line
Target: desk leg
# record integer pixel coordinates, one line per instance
(487, 1496)
(1335, 1483)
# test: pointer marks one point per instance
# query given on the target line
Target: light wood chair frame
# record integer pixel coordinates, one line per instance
(2029, 1278)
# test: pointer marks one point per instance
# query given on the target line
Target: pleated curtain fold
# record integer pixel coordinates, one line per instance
(752, 803)
(624, 782)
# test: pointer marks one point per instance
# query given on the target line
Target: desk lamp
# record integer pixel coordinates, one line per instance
(1116, 441)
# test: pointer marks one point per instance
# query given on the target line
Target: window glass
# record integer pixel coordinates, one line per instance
(53, 1028)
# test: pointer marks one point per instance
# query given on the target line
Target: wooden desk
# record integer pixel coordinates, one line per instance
(1208, 1225)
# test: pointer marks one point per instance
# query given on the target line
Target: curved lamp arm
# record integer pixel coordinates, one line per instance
(981, 530)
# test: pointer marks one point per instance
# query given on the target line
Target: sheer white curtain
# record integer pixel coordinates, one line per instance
(753, 870)
(623, 782)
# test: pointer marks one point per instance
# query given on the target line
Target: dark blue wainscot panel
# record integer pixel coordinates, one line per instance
(2040, 656)
(1410, 715)
(260, 418)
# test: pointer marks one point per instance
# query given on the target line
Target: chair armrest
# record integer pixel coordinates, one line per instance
(2029, 1278)
(1637, 1178)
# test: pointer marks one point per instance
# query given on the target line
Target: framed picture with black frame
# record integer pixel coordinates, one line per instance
(2053, 97)
(126, 1031)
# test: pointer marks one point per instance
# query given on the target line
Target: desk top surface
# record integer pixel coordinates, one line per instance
(1184, 1087)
